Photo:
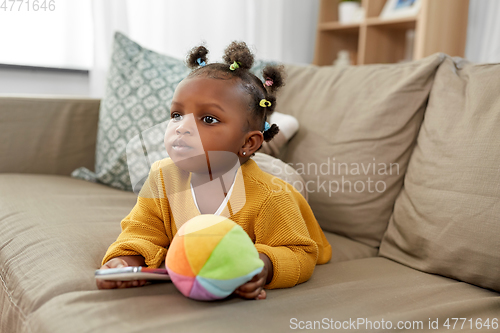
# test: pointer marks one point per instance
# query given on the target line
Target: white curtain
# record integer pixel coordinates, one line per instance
(282, 30)
(483, 31)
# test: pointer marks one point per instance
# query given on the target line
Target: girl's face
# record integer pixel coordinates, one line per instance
(207, 115)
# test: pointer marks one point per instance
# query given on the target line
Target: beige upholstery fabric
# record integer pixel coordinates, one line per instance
(49, 253)
(446, 219)
(274, 147)
(53, 247)
(364, 117)
(344, 249)
(371, 289)
(280, 169)
(47, 135)
(288, 126)
(55, 231)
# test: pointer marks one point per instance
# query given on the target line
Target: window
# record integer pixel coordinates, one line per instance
(33, 35)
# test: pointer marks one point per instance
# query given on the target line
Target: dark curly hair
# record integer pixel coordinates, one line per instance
(238, 53)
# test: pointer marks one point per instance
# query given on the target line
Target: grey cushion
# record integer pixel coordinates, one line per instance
(140, 86)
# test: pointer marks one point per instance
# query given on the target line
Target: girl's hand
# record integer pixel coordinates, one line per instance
(254, 289)
(108, 284)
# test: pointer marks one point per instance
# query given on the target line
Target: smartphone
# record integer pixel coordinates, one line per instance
(132, 273)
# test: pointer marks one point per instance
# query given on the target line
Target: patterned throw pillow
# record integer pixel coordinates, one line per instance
(134, 113)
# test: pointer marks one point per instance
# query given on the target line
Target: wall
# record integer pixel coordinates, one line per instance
(30, 80)
(40, 81)
(483, 31)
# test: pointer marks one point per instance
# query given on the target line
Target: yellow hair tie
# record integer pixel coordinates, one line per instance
(234, 66)
(265, 103)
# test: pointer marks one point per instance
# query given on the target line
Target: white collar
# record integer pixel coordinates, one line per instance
(222, 205)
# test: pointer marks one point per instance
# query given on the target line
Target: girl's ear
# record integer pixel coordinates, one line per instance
(254, 140)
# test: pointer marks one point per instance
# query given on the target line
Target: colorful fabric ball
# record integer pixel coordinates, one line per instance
(211, 256)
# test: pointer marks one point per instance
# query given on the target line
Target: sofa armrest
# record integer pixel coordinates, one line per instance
(47, 135)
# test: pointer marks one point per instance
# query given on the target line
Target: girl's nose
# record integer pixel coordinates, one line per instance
(182, 130)
(186, 125)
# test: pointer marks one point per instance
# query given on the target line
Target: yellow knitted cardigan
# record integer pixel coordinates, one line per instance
(275, 216)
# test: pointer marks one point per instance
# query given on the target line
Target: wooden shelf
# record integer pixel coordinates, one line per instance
(330, 26)
(400, 23)
(440, 26)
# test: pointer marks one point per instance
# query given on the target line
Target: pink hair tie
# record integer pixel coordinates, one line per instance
(269, 82)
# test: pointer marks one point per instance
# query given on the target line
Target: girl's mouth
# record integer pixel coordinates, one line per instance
(181, 148)
(180, 145)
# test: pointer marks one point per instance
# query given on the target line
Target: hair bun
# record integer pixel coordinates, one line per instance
(271, 132)
(239, 52)
(197, 52)
(276, 75)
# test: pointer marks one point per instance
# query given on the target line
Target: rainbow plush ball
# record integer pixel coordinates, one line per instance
(211, 256)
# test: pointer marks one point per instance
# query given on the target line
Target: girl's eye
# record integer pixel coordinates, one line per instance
(176, 116)
(210, 120)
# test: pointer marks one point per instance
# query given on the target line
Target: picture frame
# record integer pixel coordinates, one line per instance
(400, 8)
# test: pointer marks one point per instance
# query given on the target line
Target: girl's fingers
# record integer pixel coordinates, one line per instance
(109, 284)
(131, 284)
(106, 284)
(115, 263)
(252, 286)
(248, 287)
(262, 295)
(250, 295)
(255, 278)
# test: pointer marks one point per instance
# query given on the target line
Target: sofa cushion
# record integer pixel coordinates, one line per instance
(55, 232)
(140, 86)
(345, 249)
(281, 170)
(53, 239)
(372, 290)
(358, 126)
(446, 218)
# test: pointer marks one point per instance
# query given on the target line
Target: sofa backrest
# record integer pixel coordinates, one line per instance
(47, 135)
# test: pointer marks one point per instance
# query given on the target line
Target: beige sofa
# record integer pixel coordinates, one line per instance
(391, 263)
